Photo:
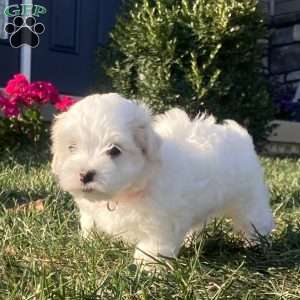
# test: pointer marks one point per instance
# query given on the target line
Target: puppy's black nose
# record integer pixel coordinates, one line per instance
(87, 177)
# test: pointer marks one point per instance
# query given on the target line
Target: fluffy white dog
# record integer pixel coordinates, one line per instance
(153, 181)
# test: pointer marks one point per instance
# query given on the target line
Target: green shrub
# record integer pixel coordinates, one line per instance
(199, 55)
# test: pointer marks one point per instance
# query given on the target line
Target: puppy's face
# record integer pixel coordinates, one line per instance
(102, 146)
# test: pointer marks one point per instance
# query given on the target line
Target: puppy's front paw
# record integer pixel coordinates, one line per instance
(146, 261)
(153, 258)
(86, 232)
(152, 264)
(87, 225)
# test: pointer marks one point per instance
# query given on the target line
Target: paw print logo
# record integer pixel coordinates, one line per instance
(24, 31)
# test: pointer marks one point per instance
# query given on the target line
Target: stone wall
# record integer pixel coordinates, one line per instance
(283, 56)
(282, 65)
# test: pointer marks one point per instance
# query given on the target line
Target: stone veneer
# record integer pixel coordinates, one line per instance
(282, 65)
(282, 60)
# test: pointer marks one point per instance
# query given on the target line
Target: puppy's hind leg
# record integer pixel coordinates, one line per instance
(192, 234)
(252, 215)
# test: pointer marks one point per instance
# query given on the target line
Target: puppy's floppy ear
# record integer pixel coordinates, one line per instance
(145, 137)
(148, 141)
(56, 132)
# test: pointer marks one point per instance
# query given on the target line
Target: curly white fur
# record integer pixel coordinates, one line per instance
(171, 176)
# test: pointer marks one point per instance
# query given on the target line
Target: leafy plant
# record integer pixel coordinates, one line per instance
(202, 55)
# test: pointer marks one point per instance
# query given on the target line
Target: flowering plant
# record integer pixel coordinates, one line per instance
(20, 104)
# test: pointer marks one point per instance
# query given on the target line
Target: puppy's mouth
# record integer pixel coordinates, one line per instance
(92, 188)
(87, 189)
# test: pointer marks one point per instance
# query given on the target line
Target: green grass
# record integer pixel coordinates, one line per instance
(42, 255)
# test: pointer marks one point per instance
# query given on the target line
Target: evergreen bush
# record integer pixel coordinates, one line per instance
(201, 55)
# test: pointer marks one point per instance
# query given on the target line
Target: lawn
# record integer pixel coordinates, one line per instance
(42, 255)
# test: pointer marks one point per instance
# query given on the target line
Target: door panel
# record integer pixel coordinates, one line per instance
(68, 38)
(66, 54)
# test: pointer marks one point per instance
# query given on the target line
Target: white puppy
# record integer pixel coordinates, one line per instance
(152, 182)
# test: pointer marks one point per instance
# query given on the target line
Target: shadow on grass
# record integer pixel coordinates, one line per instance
(28, 156)
(280, 251)
(12, 198)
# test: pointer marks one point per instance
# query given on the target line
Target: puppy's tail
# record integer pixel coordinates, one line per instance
(234, 126)
(174, 123)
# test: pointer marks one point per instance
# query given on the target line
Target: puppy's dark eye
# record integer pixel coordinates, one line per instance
(72, 148)
(113, 151)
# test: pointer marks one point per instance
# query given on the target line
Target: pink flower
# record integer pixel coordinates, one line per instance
(17, 86)
(20, 93)
(14, 100)
(64, 103)
(10, 109)
(41, 92)
(3, 100)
